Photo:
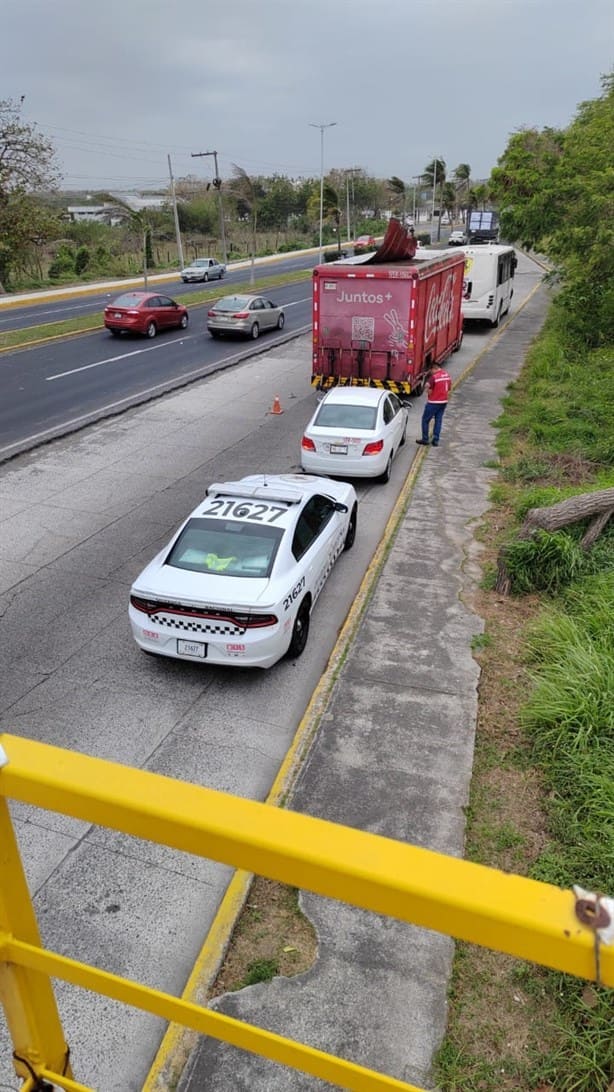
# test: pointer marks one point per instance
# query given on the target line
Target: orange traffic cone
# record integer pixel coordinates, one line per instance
(276, 408)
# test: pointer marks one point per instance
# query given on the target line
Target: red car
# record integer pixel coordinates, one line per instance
(144, 313)
(364, 242)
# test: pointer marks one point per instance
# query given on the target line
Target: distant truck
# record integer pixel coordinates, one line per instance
(383, 320)
(482, 226)
(488, 286)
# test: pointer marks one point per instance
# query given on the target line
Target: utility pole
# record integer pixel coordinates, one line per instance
(349, 172)
(175, 215)
(217, 185)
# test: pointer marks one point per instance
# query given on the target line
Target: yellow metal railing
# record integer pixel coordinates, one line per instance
(512, 914)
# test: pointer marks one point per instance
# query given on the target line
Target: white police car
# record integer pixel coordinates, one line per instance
(237, 582)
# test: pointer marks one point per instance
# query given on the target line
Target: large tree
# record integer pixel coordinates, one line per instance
(27, 166)
(556, 193)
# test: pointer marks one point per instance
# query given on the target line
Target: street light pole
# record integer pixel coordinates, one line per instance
(435, 162)
(322, 127)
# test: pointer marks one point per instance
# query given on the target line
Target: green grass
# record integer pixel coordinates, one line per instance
(13, 339)
(555, 440)
(260, 970)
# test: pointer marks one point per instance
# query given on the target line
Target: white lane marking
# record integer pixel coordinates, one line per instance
(137, 352)
(93, 416)
(114, 359)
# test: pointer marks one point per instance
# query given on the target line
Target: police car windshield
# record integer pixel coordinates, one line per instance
(226, 547)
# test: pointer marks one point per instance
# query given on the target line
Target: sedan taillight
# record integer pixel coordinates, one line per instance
(307, 444)
(241, 314)
(373, 448)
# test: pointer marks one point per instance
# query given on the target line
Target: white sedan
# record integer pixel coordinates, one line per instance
(355, 433)
(203, 269)
(238, 581)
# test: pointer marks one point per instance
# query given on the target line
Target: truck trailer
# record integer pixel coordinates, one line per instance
(482, 226)
(384, 320)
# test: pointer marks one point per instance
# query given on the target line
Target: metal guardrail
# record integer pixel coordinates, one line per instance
(509, 913)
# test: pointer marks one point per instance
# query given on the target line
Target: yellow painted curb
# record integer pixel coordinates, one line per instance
(178, 1041)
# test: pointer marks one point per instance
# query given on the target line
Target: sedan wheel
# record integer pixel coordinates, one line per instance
(184, 322)
(151, 330)
(281, 322)
(255, 331)
(300, 632)
(115, 333)
(385, 477)
(205, 277)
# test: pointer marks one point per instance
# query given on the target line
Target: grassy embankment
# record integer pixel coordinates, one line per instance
(14, 339)
(542, 800)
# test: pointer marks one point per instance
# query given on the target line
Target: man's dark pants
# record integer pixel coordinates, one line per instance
(433, 411)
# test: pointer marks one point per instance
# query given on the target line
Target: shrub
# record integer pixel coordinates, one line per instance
(82, 259)
(545, 562)
(63, 263)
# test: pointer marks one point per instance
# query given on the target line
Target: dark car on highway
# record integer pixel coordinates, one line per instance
(144, 313)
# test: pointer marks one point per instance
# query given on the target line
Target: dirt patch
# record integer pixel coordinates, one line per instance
(272, 936)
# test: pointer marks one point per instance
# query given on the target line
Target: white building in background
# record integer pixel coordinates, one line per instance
(137, 203)
(103, 214)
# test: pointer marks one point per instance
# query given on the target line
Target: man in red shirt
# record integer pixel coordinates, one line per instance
(439, 386)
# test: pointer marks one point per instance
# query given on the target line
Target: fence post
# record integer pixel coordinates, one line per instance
(26, 996)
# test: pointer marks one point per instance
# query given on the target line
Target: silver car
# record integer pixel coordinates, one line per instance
(203, 269)
(248, 315)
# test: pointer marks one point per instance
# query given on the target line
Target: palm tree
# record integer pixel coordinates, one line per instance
(248, 191)
(435, 175)
(448, 199)
(331, 210)
(462, 179)
(479, 195)
(140, 224)
(397, 186)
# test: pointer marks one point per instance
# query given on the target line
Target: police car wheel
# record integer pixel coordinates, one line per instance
(351, 531)
(300, 632)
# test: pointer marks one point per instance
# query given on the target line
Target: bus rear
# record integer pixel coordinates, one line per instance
(488, 284)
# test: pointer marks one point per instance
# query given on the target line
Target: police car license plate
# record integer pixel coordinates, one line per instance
(191, 648)
(338, 449)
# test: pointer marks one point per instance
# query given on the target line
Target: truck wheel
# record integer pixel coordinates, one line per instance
(458, 343)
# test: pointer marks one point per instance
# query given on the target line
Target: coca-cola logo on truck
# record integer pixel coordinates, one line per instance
(440, 307)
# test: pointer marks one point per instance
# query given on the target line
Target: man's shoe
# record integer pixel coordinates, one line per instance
(435, 443)
(425, 443)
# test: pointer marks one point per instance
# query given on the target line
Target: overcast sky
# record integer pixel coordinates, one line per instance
(119, 84)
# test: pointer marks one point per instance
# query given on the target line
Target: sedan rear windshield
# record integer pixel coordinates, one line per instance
(340, 416)
(226, 547)
(129, 299)
(232, 303)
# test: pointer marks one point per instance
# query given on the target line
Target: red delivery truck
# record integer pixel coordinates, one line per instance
(384, 319)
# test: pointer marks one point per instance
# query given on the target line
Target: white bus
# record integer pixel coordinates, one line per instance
(488, 286)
